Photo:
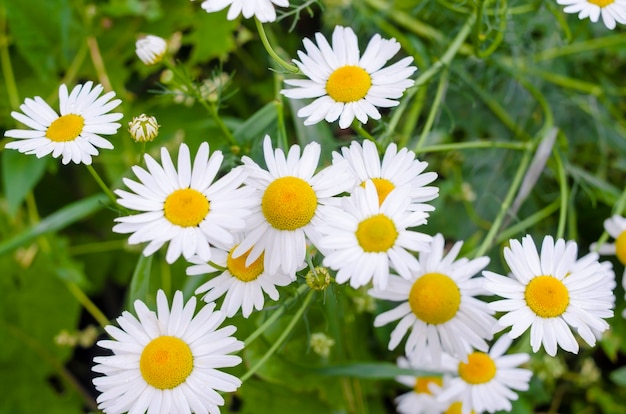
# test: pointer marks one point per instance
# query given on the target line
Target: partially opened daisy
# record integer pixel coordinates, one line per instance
(422, 398)
(616, 227)
(73, 134)
(487, 381)
(397, 169)
(346, 84)
(261, 9)
(438, 305)
(244, 285)
(551, 292)
(612, 11)
(167, 361)
(151, 49)
(364, 238)
(290, 204)
(186, 207)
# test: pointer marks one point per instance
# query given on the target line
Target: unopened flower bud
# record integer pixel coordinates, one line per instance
(318, 278)
(143, 128)
(321, 344)
(151, 49)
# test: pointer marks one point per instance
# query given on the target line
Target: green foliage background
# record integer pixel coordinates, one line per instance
(525, 68)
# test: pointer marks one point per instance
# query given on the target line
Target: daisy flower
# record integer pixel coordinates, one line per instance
(75, 133)
(612, 11)
(151, 49)
(364, 238)
(346, 84)
(261, 9)
(397, 169)
(184, 207)
(551, 292)
(616, 227)
(167, 361)
(290, 205)
(487, 381)
(438, 305)
(243, 285)
(422, 399)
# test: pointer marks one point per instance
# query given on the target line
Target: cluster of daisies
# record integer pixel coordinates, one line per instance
(254, 227)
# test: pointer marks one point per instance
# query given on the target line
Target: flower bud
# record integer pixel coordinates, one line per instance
(318, 278)
(151, 49)
(143, 128)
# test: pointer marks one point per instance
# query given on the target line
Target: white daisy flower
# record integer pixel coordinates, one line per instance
(364, 238)
(438, 305)
(397, 169)
(422, 399)
(345, 83)
(616, 227)
(243, 285)
(612, 11)
(185, 207)
(550, 291)
(151, 49)
(75, 134)
(167, 361)
(487, 381)
(261, 9)
(290, 205)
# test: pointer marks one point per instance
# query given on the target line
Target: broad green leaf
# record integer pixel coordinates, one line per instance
(56, 221)
(20, 174)
(212, 36)
(259, 124)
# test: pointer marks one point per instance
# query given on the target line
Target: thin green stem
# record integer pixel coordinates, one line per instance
(529, 221)
(86, 303)
(434, 109)
(411, 118)
(101, 183)
(618, 208)
(268, 47)
(166, 277)
(495, 227)
(212, 109)
(5, 61)
(278, 342)
(356, 125)
(277, 313)
(98, 63)
(520, 146)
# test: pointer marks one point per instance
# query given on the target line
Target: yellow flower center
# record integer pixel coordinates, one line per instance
(620, 247)
(601, 3)
(348, 84)
(376, 234)
(435, 298)
(383, 188)
(456, 408)
(186, 207)
(166, 362)
(422, 383)
(237, 266)
(479, 368)
(289, 203)
(546, 296)
(65, 128)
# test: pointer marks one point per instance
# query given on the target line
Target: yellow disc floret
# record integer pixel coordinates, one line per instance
(422, 384)
(186, 207)
(289, 203)
(348, 84)
(376, 234)
(65, 128)
(547, 296)
(166, 362)
(601, 3)
(383, 188)
(620, 247)
(237, 266)
(479, 368)
(434, 298)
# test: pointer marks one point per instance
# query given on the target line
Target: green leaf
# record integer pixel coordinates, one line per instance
(372, 370)
(20, 174)
(56, 221)
(212, 36)
(140, 282)
(619, 376)
(261, 123)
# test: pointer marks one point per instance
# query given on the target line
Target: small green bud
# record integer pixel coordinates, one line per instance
(318, 278)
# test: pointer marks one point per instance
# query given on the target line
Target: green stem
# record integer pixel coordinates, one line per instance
(495, 227)
(434, 110)
(529, 221)
(618, 208)
(212, 109)
(520, 146)
(101, 183)
(5, 61)
(86, 303)
(268, 47)
(98, 63)
(278, 342)
(356, 125)
(564, 192)
(269, 321)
